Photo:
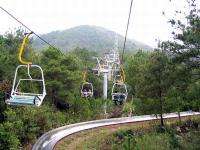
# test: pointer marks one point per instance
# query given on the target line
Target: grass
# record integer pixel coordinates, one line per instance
(91, 139)
(156, 138)
(144, 135)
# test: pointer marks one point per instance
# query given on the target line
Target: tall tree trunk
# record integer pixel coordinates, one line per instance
(179, 115)
(161, 102)
(161, 108)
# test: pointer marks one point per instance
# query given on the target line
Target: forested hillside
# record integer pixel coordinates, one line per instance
(90, 37)
(162, 81)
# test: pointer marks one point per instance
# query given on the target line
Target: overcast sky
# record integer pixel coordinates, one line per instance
(43, 16)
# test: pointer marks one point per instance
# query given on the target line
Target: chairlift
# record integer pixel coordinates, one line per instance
(118, 79)
(110, 58)
(96, 71)
(21, 98)
(101, 66)
(119, 93)
(118, 73)
(115, 69)
(87, 90)
(104, 64)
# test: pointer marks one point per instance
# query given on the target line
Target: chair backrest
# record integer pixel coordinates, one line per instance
(16, 85)
(117, 88)
(86, 85)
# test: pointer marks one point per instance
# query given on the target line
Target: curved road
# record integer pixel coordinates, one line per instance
(48, 140)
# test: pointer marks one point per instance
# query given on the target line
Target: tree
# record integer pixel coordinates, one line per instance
(186, 44)
(8, 139)
(134, 67)
(62, 75)
(185, 52)
(129, 108)
(156, 82)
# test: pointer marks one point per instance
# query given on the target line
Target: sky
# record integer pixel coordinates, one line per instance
(42, 16)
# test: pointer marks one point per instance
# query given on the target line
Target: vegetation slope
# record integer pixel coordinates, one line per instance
(90, 37)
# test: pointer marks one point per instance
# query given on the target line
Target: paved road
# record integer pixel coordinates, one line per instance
(49, 139)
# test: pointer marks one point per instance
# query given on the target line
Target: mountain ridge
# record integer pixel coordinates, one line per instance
(93, 38)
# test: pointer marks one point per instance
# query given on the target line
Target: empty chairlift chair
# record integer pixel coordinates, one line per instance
(22, 98)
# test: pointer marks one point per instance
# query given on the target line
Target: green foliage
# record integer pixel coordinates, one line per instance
(28, 123)
(134, 69)
(128, 139)
(129, 108)
(153, 142)
(129, 144)
(8, 139)
(185, 53)
(190, 141)
(62, 76)
(152, 138)
(186, 36)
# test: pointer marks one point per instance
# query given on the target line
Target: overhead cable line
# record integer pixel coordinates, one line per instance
(126, 31)
(29, 29)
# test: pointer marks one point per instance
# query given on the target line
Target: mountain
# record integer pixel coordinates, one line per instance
(89, 37)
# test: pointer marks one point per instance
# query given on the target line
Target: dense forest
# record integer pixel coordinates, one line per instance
(165, 80)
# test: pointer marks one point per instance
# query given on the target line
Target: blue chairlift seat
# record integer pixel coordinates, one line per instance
(118, 97)
(122, 97)
(23, 100)
(26, 99)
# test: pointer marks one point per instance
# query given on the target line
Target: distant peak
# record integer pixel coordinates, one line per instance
(90, 37)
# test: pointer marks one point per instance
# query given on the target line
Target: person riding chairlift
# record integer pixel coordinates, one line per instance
(90, 92)
(84, 92)
(87, 92)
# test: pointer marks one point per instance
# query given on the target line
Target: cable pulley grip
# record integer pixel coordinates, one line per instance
(84, 76)
(123, 73)
(22, 49)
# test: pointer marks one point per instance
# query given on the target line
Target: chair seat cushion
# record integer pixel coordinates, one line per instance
(119, 97)
(23, 100)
